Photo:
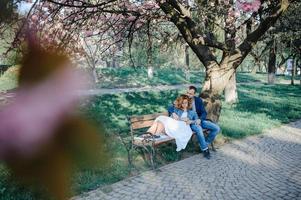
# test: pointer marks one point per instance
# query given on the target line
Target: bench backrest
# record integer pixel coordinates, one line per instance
(143, 121)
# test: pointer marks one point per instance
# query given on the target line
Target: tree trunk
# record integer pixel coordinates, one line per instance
(108, 65)
(272, 65)
(114, 62)
(266, 63)
(150, 70)
(212, 104)
(241, 68)
(256, 64)
(298, 64)
(259, 67)
(300, 74)
(293, 72)
(187, 62)
(216, 80)
(254, 69)
(92, 68)
(94, 73)
(231, 91)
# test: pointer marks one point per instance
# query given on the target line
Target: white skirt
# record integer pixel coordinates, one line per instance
(176, 129)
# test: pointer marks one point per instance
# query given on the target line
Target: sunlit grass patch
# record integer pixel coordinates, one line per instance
(237, 124)
(8, 80)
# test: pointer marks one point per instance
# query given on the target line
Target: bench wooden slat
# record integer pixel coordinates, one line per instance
(138, 118)
(169, 139)
(139, 142)
(142, 124)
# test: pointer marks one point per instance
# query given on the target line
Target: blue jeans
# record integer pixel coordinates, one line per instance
(213, 130)
(200, 135)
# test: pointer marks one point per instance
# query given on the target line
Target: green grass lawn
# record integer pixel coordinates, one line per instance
(137, 77)
(264, 104)
(260, 107)
(8, 80)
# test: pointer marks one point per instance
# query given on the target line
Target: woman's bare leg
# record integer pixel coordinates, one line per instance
(156, 128)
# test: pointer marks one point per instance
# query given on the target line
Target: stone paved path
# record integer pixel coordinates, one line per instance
(258, 167)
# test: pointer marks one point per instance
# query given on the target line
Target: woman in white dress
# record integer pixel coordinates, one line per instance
(178, 124)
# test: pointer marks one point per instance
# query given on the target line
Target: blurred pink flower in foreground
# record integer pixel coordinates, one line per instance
(28, 123)
(248, 5)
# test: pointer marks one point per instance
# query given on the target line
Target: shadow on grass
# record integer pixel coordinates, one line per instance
(114, 109)
(260, 107)
(243, 77)
(279, 102)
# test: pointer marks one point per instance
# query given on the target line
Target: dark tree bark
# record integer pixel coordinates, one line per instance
(298, 64)
(293, 72)
(150, 69)
(114, 62)
(272, 65)
(186, 62)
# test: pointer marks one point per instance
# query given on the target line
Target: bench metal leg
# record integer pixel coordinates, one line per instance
(148, 155)
(153, 157)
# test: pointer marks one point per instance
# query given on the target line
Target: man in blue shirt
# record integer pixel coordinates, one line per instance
(199, 108)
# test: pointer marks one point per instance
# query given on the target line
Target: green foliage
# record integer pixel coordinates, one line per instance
(8, 80)
(10, 189)
(12, 57)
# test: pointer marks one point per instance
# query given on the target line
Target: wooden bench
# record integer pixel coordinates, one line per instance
(138, 126)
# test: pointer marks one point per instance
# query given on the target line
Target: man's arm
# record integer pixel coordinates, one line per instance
(201, 109)
(195, 118)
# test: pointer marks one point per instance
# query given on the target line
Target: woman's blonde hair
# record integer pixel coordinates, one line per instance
(179, 101)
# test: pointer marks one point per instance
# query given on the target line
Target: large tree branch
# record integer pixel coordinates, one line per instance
(254, 36)
(181, 17)
(82, 4)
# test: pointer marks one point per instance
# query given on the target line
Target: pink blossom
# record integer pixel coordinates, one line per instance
(131, 18)
(150, 5)
(88, 33)
(30, 120)
(138, 24)
(248, 6)
(34, 18)
(237, 14)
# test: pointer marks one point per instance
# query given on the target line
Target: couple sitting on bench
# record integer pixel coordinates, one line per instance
(186, 116)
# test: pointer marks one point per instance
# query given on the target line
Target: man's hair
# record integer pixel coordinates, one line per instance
(192, 88)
